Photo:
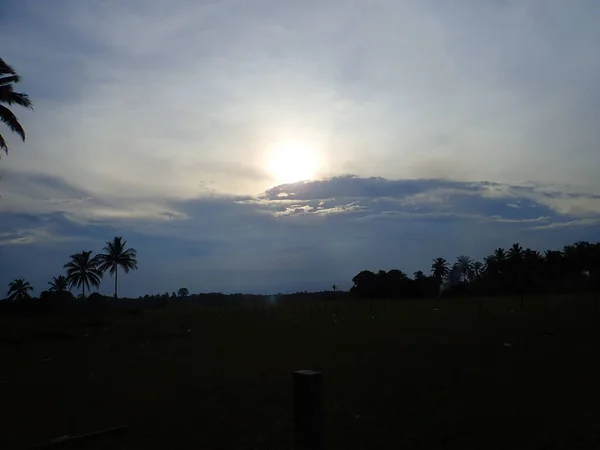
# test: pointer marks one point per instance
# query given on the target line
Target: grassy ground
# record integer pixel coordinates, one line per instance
(424, 374)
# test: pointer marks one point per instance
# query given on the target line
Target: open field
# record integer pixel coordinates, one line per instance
(406, 376)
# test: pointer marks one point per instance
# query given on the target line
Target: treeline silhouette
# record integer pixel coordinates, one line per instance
(505, 272)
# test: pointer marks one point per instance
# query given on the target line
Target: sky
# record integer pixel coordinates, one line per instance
(273, 146)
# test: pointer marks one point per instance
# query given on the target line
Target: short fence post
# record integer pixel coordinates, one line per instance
(308, 410)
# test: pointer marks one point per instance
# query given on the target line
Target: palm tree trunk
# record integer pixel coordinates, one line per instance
(83, 286)
(116, 277)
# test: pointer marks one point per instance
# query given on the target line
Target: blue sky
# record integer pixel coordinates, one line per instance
(424, 129)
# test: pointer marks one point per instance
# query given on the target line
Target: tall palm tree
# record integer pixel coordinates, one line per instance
(477, 269)
(515, 253)
(116, 256)
(83, 271)
(8, 96)
(553, 265)
(464, 267)
(59, 284)
(19, 290)
(440, 269)
(515, 265)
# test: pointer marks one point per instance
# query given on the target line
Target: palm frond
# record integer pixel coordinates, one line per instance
(9, 96)
(5, 69)
(3, 145)
(10, 79)
(11, 121)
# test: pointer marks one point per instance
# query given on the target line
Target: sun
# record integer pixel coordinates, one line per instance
(290, 162)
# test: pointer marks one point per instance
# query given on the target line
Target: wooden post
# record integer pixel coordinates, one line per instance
(308, 410)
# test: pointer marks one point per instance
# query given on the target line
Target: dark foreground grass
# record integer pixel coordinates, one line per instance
(408, 375)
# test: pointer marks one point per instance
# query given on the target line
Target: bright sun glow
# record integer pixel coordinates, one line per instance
(291, 162)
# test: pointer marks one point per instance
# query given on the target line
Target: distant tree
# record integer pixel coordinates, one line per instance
(9, 77)
(499, 260)
(455, 275)
(115, 255)
(464, 267)
(18, 289)
(83, 271)
(183, 292)
(440, 270)
(515, 253)
(418, 275)
(364, 283)
(477, 269)
(514, 266)
(334, 288)
(58, 284)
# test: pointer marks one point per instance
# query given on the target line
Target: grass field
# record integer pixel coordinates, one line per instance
(422, 374)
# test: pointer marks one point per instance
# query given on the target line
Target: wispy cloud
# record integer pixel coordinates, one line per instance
(322, 233)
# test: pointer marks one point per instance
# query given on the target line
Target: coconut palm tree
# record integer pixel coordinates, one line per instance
(59, 284)
(464, 267)
(440, 269)
(83, 271)
(478, 269)
(19, 290)
(500, 254)
(115, 255)
(515, 259)
(8, 77)
(515, 253)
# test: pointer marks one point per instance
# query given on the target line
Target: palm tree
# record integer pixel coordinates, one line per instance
(464, 266)
(59, 284)
(83, 271)
(515, 265)
(515, 253)
(477, 269)
(116, 256)
(19, 289)
(440, 269)
(8, 77)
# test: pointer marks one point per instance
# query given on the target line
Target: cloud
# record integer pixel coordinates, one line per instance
(121, 111)
(322, 233)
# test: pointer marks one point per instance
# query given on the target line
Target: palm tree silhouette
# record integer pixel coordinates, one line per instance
(478, 269)
(83, 271)
(116, 256)
(464, 266)
(19, 290)
(515, 253)
(59, 284)
(8, 77)
(440, 269)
